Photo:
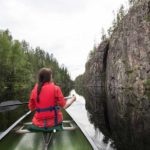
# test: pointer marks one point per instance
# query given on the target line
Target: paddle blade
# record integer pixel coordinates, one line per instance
(10, 103)
(8, 108)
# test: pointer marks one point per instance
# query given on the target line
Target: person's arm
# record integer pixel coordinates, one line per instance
(69, 102)
(61, 100)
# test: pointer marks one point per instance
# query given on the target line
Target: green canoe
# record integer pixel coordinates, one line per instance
(19, 138)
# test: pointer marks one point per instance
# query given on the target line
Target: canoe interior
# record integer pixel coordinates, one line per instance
(63, 140)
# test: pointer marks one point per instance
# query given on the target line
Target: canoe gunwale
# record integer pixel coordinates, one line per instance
(14, 125)
(83, 131)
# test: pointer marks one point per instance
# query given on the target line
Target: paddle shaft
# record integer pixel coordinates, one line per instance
(20, 103)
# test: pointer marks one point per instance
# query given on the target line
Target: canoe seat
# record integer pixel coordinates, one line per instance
(34, 128)
(30, 128)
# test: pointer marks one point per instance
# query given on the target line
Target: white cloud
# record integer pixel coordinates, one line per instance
(66, 28)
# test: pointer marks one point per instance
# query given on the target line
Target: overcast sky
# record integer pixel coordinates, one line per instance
(67, 28)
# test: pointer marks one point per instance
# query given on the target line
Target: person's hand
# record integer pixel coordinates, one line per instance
(70, 101)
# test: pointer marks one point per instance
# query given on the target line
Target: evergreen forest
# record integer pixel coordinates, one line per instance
(19, 64)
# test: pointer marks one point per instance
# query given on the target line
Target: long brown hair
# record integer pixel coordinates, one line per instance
(44, 75)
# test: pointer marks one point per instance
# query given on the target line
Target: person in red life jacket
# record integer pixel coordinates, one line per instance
(45, 99)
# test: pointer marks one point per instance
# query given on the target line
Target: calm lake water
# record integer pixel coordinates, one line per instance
(116, 120)
(81, 115)
(7, 118)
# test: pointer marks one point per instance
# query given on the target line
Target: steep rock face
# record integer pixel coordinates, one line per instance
(123, 61)
(128, 61)
(96, 66)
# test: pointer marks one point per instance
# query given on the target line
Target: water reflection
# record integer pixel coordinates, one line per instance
(121, 115)
(129, 118)
(9, 117)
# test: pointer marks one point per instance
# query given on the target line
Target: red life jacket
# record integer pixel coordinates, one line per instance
(47, 112)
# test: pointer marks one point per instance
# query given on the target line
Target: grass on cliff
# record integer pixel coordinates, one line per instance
(147, 84)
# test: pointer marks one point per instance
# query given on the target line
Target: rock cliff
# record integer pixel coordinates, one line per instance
(128, 59)
(95, 73)
(123, 60)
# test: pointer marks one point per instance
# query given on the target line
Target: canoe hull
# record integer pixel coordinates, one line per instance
(62, 140)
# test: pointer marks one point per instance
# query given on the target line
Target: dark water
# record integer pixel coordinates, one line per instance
(84, 118)
(121, 119)
(8, 117)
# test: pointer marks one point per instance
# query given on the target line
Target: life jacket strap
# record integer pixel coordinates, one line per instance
(45, 124)
(56, 117)
(51, 108)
